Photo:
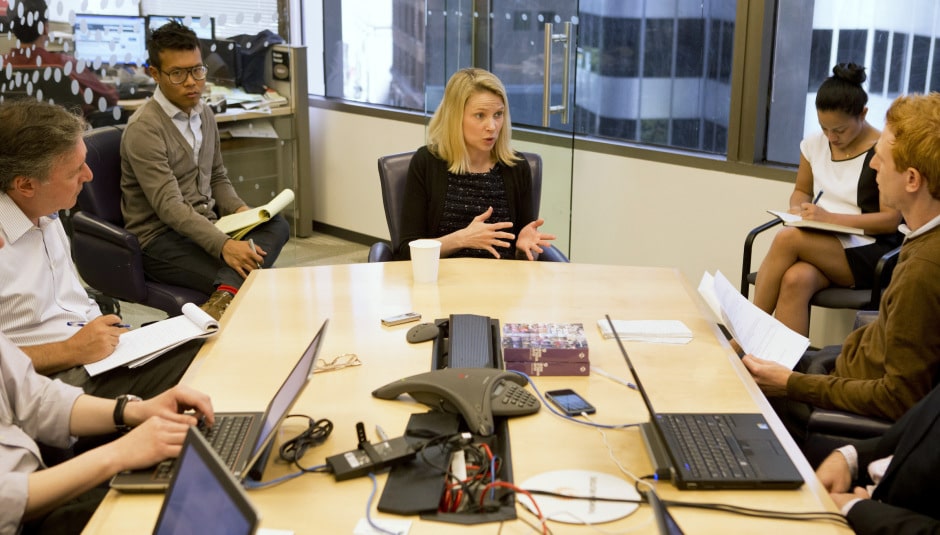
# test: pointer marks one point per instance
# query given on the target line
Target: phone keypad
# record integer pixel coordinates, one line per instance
(514, 400)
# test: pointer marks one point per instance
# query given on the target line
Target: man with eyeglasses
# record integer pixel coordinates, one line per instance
(175, 185)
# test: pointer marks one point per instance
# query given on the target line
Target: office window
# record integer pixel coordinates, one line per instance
(892, 40)
(638, 71)
(920, 62)
(852, 46)
(879, 62)
(898, 65)
(819, 58)
(935, 67)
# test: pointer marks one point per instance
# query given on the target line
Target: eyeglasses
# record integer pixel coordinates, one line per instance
(338, 363)
(178, 76)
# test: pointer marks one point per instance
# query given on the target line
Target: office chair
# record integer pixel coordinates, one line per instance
(393, 171)
(828, 429)
(832, 297)
(107, 256)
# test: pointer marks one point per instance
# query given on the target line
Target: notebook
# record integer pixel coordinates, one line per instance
(256, 431)
(716, 450)
(204, 488)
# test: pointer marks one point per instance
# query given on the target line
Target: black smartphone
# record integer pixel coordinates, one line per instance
(570, 402)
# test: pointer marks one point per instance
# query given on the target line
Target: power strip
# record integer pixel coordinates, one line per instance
(370, 457)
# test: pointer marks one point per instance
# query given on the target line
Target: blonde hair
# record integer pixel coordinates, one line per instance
(915, 121)
(445, 131)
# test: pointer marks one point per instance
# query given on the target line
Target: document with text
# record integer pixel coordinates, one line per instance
(756, 331)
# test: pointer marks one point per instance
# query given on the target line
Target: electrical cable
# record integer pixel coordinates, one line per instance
(376, 527)
(565, 416)
(316, 433)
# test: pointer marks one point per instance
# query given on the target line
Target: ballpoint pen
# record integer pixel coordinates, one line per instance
(82, 324)
(381, 433)
(251, 243)
(613, 378)
(818, 195)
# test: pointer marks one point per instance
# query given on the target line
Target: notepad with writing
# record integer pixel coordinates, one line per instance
(793, 220)
(140, 346)
(241, 223)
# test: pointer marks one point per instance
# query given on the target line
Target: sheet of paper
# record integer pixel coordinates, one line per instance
(655, 331)
(758, 333)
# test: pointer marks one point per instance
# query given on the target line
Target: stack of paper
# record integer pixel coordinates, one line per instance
(656, 331)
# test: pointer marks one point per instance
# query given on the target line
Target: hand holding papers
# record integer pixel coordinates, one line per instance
(758, 333)
(237, 225)
(142, 345)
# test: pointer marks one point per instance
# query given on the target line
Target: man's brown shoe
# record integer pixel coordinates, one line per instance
(217, 303)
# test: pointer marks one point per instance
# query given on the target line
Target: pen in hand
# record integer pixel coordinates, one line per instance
(818, 195)
(251, 243)
(82, 324)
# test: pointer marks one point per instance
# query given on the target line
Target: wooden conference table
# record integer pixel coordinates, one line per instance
(274, 316)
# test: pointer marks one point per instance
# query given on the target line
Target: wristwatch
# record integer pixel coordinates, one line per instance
(119, 411)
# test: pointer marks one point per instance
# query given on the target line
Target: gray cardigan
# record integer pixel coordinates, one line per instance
(163, 188)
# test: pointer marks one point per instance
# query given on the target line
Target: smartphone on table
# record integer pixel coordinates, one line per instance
(570, 402)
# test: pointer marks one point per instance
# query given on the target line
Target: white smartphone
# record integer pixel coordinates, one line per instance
(398, 319)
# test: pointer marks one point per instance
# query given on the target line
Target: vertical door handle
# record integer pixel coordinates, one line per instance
(547, 108)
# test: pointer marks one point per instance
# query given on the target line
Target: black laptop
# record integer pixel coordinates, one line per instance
(204, 497)
(241, 439)
(715, 450)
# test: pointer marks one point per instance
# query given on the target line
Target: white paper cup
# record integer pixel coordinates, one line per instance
(425, 257)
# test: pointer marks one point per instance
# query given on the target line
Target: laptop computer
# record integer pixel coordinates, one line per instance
(715, 450)
(245, 450)
(203, 488)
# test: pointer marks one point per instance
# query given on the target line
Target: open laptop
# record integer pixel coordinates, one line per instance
(715, 450)
(203, 496)
(253, 431)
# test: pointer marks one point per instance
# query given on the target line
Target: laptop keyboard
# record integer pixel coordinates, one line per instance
(227, 436)
(708, 447)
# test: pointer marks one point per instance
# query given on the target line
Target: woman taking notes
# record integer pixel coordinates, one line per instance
(834, 184)
(467, 188)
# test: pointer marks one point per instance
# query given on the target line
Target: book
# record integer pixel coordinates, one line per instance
(656, 331)
(536, 369)
(793, 220)
(237, 225)
(544, 342)
(139, 346)
(756, 331)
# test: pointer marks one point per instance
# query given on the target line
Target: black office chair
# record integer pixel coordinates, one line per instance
(393, 171)
(828, 429)
(832, 297)
(107, 256)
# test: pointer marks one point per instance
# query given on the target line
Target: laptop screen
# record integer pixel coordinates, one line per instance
(109, 39)
(289, 391)
(203, 497)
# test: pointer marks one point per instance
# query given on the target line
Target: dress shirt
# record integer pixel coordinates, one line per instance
(876, 471)
(39, 293)
(188, 125)
(32, 408)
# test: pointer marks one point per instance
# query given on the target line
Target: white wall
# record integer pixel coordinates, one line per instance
(624, 211)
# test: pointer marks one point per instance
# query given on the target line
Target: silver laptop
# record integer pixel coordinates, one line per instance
(715, 450)
(241, 439)
(204, 497)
